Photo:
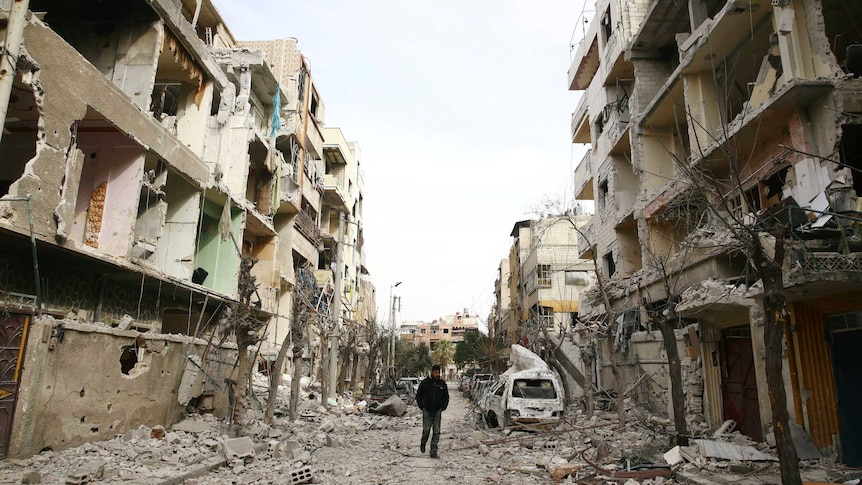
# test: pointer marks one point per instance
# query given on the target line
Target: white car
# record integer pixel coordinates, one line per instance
(526, 397)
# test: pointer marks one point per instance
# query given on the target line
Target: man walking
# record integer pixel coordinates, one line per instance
(432, 397)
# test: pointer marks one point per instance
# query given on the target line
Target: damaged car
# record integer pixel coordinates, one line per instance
(528, 393)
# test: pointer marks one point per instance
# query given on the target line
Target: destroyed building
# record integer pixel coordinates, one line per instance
(143, 154)
(766, 97)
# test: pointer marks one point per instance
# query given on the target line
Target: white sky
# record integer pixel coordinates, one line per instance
(462, 113)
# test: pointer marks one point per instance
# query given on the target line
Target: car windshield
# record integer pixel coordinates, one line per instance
(534, 389)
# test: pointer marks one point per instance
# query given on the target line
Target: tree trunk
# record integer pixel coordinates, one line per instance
(621, 398)
(275, 380)
(677, 391)
(240, 399)
(588, 356)
(774, 313)
(294, 384)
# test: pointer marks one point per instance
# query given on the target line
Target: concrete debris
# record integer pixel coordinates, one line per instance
(731, 451)
(393, 406)
(321, 447)
(239, 448)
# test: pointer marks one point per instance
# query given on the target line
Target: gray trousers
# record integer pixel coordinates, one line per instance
(431, 421)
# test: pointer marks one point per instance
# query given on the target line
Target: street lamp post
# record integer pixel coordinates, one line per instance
(392, 324)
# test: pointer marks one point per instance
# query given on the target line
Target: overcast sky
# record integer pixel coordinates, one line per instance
(462, 114)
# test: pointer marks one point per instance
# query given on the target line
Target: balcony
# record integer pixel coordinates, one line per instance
(306, 226)
(583, 178)
(581, 122)
(313, 138)
(665, 19)
(334, 193)
(585, 64)
(587, 242)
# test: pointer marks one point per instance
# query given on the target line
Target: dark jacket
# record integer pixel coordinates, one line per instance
(432, 395)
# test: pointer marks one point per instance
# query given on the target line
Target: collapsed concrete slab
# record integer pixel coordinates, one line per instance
(393, 406)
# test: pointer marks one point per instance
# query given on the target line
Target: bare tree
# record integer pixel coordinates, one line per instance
(302, 312)
(246, 328)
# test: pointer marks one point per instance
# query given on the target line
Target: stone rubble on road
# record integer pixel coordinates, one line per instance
(348, 444)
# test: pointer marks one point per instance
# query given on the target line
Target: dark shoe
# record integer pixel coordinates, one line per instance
(422, 447)
(434, 455)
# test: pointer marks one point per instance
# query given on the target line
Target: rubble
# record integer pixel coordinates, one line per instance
(335, 446)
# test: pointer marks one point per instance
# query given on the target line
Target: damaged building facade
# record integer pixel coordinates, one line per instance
(766, 98)
(144, 153)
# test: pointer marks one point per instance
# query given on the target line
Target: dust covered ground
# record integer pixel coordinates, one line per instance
(348, 444)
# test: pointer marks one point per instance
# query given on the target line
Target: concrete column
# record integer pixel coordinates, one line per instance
(9, 61)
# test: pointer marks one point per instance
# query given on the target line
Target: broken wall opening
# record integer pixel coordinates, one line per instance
(843, 26)
(184, 321)
(109, 188)
(217, 251)
(180, 91)
(119, 38)
(850, 153)
(259, 183)
(175, 248)
(20, 133)
(737, 73)
(151, 209)
(629, 246)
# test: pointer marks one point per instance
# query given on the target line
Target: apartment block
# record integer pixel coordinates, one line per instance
(545, 277)
(447, 327)
(763, 99)
(144, 154)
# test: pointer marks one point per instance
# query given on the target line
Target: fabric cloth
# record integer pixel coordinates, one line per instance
(431, 422)
(432, 395)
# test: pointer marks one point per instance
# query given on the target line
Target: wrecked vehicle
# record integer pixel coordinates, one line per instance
(527, 393)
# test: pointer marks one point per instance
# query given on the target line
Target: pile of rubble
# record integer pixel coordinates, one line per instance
(201, 446)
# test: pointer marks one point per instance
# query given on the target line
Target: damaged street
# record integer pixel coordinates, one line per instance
(366, 441)
(206, 279)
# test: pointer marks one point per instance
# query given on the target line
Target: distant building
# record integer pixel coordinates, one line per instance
(449, 327)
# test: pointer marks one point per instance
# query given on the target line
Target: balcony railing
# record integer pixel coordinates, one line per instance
(307, 227)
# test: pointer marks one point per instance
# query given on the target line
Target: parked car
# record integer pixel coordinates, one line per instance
(532, 396)
(476, 378)
(407, 386)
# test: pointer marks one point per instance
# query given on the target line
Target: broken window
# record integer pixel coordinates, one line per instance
(610, 265)
(604, 190)
(544, 275)
(607, 25)
(534, 389)
(546, 316)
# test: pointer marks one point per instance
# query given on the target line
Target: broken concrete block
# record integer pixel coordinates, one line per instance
(238, 448)
(393, 406)
(805, 448)
(332, 441)
(300, 475)
(726, 427)
(327, 426)
(126, 322)
(673, 456)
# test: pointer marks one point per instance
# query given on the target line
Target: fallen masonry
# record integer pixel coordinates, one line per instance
(319, 447)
